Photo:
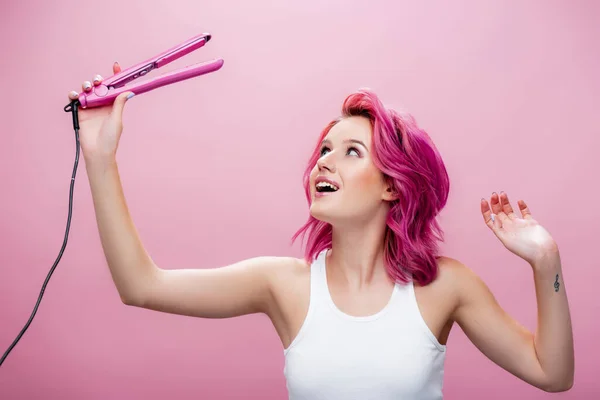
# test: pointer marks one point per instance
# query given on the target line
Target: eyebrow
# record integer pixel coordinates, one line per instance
(346, 141)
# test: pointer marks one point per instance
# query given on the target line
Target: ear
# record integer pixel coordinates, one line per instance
(390, 194)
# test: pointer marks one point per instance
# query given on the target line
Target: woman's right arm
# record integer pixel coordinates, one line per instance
(241, 288)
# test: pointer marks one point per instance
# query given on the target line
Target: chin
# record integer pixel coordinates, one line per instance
(318, 211)
(336, 215)
(331, 214)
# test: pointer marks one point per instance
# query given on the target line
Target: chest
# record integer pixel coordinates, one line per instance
(363, 361)
(435, 303)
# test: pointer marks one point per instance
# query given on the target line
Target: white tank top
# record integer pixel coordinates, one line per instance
(388, 355)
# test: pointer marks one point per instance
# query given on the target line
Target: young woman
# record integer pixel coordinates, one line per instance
(367, 313)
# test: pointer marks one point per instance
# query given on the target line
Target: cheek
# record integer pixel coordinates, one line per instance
(312, 177)
(366, 178)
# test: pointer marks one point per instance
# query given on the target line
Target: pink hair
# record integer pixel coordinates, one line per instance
(409, 161)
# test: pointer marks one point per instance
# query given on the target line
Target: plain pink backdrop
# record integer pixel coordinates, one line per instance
(212, 172)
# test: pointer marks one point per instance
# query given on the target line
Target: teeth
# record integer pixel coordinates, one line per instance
(326, 184)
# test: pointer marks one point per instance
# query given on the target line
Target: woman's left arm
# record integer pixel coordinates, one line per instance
(544, 359)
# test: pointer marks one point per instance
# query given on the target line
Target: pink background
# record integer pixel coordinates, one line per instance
(212, 172)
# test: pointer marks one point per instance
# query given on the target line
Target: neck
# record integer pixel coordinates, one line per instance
(356, 256)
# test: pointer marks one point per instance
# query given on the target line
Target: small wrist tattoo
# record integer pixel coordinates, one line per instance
(556, 284)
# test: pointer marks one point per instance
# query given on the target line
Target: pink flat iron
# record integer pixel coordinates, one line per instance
(110, 88)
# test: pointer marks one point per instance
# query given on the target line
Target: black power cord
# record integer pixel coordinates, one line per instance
(72, 108)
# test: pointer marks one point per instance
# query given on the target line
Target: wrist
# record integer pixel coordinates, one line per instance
(547, 262)
(100, 160)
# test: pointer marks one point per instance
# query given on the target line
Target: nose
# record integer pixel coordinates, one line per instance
(325, 163)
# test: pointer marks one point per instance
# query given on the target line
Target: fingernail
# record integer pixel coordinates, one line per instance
(130, 95)
(493, 217)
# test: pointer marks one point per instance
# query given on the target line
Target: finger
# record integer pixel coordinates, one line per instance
(97, 80)
(119, 104)
(524, 210)
(116, 68)
(506, 207)
(87, 86)
(73, 95)
(495, 203)
(488, 216)
(497, 208)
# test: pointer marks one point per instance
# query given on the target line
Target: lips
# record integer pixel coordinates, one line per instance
(325, 186)
(323, 179)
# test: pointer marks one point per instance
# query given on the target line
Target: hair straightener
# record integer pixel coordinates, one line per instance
(105, 94)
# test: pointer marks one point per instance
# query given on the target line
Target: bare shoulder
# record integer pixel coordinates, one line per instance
(449, 270)
(452, 270)
(448, 285)
(282, 267)
(283, 274)
(288, 275)
(453, 273)
(457, 278)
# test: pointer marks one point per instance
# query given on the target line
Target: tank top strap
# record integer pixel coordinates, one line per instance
(316, 299)
(318, 282)
(417, 317)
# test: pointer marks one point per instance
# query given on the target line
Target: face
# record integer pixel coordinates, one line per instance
(345, 184)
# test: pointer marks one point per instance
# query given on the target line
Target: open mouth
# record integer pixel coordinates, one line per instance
(326, 187)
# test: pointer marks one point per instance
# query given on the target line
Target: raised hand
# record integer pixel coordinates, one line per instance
(524, 236)
(100, 127)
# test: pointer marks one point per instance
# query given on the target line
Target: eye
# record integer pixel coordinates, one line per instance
(322, 152)
(354, 149)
